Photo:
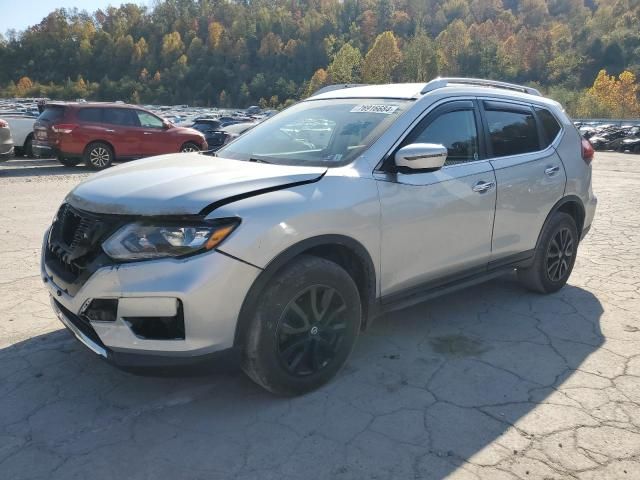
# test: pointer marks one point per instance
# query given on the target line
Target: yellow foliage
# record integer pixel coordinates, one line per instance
(215, 34)
(612, 97)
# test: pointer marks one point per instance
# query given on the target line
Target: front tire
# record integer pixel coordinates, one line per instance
(304, 327)
(189, 147)
(98, 156)
(555, 256)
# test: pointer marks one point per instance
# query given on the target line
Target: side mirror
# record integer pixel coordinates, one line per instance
(421, 156)
(166, 125)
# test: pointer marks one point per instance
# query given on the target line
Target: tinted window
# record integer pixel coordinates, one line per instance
(550, 125)
(456, 131)
(120, 116)
(90, 115)
(512, 133)
(148, 120)
(52, 113)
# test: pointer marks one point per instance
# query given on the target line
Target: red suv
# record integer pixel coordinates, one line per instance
(98, 133)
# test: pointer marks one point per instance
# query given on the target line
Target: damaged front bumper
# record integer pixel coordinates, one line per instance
(157, 312)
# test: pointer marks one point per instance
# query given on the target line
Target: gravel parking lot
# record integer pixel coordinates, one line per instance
(490, 383)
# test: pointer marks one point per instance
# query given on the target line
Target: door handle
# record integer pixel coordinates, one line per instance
(148, 133)
(110, 131)
(483, 187)
(551, 171)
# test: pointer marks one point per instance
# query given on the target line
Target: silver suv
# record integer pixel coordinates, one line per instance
(358, 200)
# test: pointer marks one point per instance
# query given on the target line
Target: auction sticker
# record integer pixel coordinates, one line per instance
(372, 108)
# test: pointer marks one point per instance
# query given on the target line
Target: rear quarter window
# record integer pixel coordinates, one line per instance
(52, 113)
(550, 126)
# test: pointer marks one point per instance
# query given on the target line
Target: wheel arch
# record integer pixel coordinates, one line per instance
(571, 205)
(347, 252)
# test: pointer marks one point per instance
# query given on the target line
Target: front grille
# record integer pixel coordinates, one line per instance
(75, 241)
(80, 323)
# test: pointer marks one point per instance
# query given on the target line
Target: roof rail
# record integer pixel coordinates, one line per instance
(339, 86)
(437, 83)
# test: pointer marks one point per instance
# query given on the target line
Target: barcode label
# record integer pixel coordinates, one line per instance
(368, 108)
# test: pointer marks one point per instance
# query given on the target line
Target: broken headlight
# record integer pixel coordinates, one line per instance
(138, 241)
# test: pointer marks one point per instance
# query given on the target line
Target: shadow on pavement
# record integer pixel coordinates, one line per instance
(426, 389)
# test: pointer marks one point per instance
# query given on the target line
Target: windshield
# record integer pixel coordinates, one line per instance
(318, 132)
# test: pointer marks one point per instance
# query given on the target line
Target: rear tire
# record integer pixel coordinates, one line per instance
(554, 257)
(98, 156)
(304, 327)
(28, 147)
(69, 162)
(189, 147)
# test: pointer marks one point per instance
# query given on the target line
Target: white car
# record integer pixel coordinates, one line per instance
(22, 132)
(290, 241)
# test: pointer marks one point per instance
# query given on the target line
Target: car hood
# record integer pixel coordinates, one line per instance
(181, 184)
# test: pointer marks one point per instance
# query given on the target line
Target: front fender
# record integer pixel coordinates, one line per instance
(275, 221)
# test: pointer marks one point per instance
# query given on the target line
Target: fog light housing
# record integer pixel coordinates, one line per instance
(158, 328)
(101, 310)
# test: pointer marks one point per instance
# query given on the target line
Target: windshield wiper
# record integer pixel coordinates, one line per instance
(258, 160)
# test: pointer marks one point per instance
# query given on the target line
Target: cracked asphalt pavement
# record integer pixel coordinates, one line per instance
(491, 382)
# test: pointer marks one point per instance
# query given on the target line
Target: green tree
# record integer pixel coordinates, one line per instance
(420, 62)
(381, 61)
(346, 66)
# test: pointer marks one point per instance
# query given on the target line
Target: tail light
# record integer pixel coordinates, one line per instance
(3, 124)
(63, 128)
(587, 151)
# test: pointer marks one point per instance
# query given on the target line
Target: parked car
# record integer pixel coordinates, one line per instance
(22, 132)
(99, 133)
(218, 135)
(253, 110)
(6, 141)
(285, 249)
(630, 144)
(212, 131)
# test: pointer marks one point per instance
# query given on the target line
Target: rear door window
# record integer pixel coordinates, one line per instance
(92, 115)
(120, 116)
(512, 132)
(52, 113)
(550, 126)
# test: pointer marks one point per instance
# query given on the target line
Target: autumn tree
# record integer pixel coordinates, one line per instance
(23, 86)
(452, 44)
(318, 80)
(381, 61)
(611, 97)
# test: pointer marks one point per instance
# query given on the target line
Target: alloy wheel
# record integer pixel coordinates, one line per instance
(99, 157)
(189, 148)
(311, 330)
(559, 254)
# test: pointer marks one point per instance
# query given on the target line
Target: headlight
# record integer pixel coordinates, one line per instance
(137, 241)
